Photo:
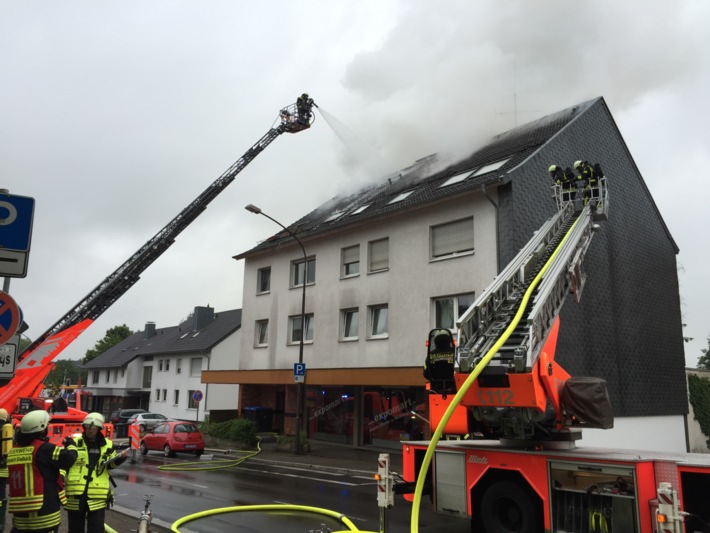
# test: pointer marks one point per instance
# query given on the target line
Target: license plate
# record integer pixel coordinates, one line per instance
(189, 446)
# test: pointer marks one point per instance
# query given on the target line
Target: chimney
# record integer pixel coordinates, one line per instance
(149, 330)
(202, 317)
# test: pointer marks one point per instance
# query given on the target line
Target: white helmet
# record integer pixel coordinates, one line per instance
(577, 165)
(94, 419)
(35, 421)
(3, 415)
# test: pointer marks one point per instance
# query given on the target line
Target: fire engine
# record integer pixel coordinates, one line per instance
(522, 471)
(21, 394)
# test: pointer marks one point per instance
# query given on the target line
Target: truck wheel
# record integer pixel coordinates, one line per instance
(507, 507)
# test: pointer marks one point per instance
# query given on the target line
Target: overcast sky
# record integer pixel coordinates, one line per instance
(115, 115)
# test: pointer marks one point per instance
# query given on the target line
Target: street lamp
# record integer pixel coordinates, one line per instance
(299, 397)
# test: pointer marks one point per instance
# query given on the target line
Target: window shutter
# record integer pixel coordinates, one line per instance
(351, 255)
(379, 255)
(452, 238)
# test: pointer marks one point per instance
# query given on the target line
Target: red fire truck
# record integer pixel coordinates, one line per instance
(523, 472)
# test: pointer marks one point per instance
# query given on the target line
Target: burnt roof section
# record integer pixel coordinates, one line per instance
(424, 179)
(175, 340)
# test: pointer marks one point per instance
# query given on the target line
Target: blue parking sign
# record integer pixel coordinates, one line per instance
(16, 213)
(299, 372)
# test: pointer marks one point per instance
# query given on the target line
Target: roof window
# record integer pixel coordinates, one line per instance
(456, 178)
(490, 168)
(360, 209)
(401, 196)
(336, 215)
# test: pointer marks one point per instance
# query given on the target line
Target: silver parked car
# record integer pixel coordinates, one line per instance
(147, 421)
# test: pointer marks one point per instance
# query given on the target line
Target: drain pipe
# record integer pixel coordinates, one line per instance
(495, 206)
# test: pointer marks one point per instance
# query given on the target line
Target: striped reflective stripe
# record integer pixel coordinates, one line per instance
(33, 522)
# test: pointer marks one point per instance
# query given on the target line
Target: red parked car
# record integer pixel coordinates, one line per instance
(174, 436)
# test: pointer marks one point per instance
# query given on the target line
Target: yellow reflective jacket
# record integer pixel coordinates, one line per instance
(89, 477)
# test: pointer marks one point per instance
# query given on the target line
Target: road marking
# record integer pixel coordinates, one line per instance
(352, 518)
(166, 479)
(298, 476)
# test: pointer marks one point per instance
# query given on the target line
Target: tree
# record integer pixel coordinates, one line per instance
(63, 371)
(113, 336)
(704, 361)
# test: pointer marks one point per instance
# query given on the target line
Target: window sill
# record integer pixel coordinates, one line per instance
(263, 293)
(350, 276)
(349, 339)
(378, 337)
(452, 256)
(378, 271)
(298, 343)
(257, 346)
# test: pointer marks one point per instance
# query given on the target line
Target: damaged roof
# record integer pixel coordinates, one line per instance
(425, 181)
(173, 340)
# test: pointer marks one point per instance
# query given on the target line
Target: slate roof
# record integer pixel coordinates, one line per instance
(173, 340)
(513, 147)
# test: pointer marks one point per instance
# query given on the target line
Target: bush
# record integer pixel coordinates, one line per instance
(237, 430)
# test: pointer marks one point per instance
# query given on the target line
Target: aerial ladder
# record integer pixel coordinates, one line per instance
(21, 393)
(508, 337)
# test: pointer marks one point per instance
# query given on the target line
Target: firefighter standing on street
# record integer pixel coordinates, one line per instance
(89, 490)
(35, 467)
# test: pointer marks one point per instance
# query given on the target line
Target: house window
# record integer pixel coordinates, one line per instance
(123, 371)
(448, 310)
(195, 367)
(263, 280)
(167, 365)
(378, 322)
(298, 271)
(349, 324)
(261, 333)
(296, 329)
(191, 403)
(115, 375)
(160, 365)
(157, 395)
(176, 397)
(378, 255)
(453, 238)
(147, 376)
(178, 366)
(95, 377)
(350, 261)
(165, 394)
(108, 376)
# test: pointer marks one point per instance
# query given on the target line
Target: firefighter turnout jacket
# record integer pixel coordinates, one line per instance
(89, 480)
(35, 485)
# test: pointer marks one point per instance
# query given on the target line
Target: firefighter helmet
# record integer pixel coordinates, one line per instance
(35, 421)
(3, 415)
(94, 419)
(552, 168)
(577, 165)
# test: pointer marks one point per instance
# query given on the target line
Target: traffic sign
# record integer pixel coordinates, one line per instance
(299, 372)
(10, 317)
(16, 213)
(8, 358)
(197, 396)
(13, 264)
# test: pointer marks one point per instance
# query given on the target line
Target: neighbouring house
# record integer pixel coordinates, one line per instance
(160, 369)
(386, 264)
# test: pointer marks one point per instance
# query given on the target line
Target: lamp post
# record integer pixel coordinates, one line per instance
(299, 397)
